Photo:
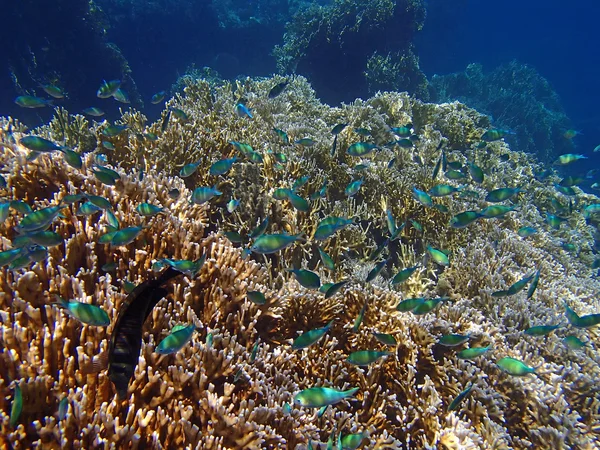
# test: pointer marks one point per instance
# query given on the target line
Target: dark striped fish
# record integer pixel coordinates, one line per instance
(126, 338)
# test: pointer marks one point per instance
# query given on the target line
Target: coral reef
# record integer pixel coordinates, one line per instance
(229, 387)
(518, 98)
(334, 45)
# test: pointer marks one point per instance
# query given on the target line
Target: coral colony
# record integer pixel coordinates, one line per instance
(274, 273)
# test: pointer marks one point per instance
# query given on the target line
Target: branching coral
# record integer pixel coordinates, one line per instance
(229, 386)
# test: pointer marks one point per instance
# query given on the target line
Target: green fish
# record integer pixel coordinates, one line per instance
(568, 159)
(361, 149)
(581, 321)
(234, 236)
(526, 231)
(338, 128)
(256, 297)
(409, 304)
(272, 243)
(499, 195)
(109, 267)
(476, 173)
(422, 197)
(404, 143)
(438, 256)
(93, 111)
(453, 340)
(121, 96)
(254, 349)
(306, 278)
(517, 287)
(128, 286)
(329, 226)
(437, 168)
(17, 407)
(114, 130)
(188, 169)
(222, 166)
(175, 341)
(106, 238)
(464, 219)
(385, 338)
(108, 88)
(541, 330)
(591, 209)
(179, 114)
(4, 211)
(353, 187)
(63, 408)
(298, 202)
(376, 270)
(366, 357)
(495, 134)
(109, 172)
(185, 266)
(85, 313)
(148, 210)
(317, 397)
(87, 209)
(72, 158)
(427, 306)
(112, 219)
(362, 131)
(326, 259)
(455, 175)
(282, 135)
(125, 236)
(46, 238)
(514, 367)
(441, 190)
(459, 398)
(53, 91)
(361, 315)
(104, 177)
(351, 441)
(311, 337)
(404, 274)
(305, 142)
(281, 193)
(534, 283)
(40, 219)
(39, 144)
(573, 342)
(99, 202)
(232, 205)
(260, 229)
(158, 97)
(569, 191)
(494, 211)
(473, 352)
(203, 194)
(403, 131)
(570, 181)
(334, 288)
(29, 101)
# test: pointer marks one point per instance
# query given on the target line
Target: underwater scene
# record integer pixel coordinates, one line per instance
(269, 224)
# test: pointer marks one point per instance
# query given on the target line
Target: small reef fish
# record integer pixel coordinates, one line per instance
(260, 229)
(568, 158)
(441, 190)
(179, 114)
(386, 339)
(334, 288)
(126, 338)
(203, 194)
(306, 278)
(108, 88)
(39, 144)
(428, 305)
(326, 259)
(317, 397)
(501, 194)
(148, 210)
(459, 398)
(514, 367)
(541, 330)
(243, 111)
(495, 134)
(473, 352)
(298, 202)
(278, 89)
(87, 209)
(362, 131)
(438, 256)
(282, 135)
(53, 91)
(366, 357)
(16, 407)
(63, 408)
(121, 96)
(581, 321)
(422, 197)
(272, 243)
(453, 340)
(573, 342)
(175, 341)
(329, 226)
(158, 97)
(84, 312)
(222, 166)
(29, 101)
(360, 149)
(305, 142)
(476, 173)
(361, 315)
(114, 130)
(404, 275)
(232, 205)
(353, 188)
(493, 211)
(338, 128)
(570, 134)
(311, 337)
(534, 283)
(93, 111)
(526, 231)
(188, 169)
(464, 219)
(455, 175)
(409, 304)
(39, 220)
(256, 297)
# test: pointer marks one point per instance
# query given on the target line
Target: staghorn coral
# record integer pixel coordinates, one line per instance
(214, 396)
